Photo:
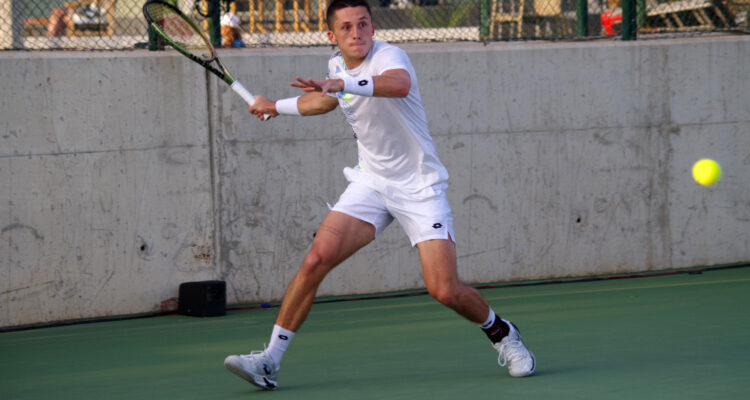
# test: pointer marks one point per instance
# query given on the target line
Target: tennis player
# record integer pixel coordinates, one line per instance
(399, 176)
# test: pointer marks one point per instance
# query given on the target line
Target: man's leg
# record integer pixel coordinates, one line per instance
(58, 22)
(338, 237)
(441, 278)
(438, 259)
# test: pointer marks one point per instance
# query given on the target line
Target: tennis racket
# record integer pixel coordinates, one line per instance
(184, 35)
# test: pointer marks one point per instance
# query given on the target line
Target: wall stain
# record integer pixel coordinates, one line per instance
(16, 226)
(486, 199)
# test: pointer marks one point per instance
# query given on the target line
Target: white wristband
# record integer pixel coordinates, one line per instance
(288, 106)
(359, 85)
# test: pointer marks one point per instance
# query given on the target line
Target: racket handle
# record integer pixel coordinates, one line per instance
(246, 95)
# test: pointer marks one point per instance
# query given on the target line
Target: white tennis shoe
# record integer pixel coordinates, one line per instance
(514, 354)
(257, 368)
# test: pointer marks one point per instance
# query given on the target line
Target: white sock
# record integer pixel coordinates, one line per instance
(490, 320)
(280, 339)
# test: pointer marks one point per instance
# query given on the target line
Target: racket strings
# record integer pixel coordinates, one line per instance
(180, 31)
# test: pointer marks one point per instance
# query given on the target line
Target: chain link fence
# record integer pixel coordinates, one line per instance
(119, 24)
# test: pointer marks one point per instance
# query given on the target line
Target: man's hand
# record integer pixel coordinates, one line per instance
(323, 86)
(263, 106)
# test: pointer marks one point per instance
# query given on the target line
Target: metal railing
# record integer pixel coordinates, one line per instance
(119, 24)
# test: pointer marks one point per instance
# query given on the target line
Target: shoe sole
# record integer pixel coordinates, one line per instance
(262, 383)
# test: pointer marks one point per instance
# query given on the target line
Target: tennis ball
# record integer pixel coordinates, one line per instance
(706, 172)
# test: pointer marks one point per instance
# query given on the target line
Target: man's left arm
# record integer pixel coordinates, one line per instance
(391, 83)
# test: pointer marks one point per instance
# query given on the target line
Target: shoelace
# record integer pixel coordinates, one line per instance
(253, 353)
(510, 351)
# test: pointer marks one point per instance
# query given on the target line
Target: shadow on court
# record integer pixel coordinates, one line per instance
(678, 336)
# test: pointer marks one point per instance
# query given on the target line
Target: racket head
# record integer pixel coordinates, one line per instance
(179, 30)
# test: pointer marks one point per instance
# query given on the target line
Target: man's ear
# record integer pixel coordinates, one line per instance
(331, 38)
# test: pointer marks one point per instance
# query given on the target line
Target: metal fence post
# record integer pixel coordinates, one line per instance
(641, 17)
(484, 19)
(629, 27)
(214, 20)
(582, 17)
(12, 14)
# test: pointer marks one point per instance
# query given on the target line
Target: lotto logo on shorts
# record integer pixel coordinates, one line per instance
(437, 225)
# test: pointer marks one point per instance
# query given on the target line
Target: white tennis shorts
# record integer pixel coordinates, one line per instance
(422, 218)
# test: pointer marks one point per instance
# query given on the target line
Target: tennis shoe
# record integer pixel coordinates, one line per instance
(257, 368)
(514, 354)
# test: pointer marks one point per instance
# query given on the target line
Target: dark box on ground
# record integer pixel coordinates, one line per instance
(203, 299)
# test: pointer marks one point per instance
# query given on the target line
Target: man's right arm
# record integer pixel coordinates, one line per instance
(315, 104)
(307, 104)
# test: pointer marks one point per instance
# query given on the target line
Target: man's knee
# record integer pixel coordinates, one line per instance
(446, 294)
(316, 264)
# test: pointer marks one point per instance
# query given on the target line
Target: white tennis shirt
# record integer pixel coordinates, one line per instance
(393, 138)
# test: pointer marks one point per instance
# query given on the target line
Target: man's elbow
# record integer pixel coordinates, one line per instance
(397, 84)
(403, 90)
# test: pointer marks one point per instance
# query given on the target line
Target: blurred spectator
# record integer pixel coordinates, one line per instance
(84, 12)
(231, 35)
(58, 22)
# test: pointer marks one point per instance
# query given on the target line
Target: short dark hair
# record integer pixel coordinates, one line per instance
(339, 4)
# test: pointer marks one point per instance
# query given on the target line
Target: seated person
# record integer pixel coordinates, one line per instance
(231, 35)
(59, 19)
(58, 22)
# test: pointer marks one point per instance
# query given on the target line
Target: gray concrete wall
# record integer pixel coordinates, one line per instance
(125, 174)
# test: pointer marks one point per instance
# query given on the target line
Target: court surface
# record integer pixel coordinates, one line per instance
(679, 336)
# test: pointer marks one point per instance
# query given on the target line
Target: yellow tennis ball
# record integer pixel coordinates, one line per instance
(706, 172)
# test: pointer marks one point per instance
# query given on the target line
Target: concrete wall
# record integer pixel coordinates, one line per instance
(125, 174)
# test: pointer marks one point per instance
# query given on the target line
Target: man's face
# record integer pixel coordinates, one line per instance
(352, 32)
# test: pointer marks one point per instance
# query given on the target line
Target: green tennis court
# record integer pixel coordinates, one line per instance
(677, 336)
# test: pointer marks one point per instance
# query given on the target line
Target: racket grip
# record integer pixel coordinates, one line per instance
(246, 95)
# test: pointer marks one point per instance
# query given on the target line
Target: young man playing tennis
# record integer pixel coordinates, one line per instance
(399, 176)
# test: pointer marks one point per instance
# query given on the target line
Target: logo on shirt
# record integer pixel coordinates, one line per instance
(347, 97)
(437, 225)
